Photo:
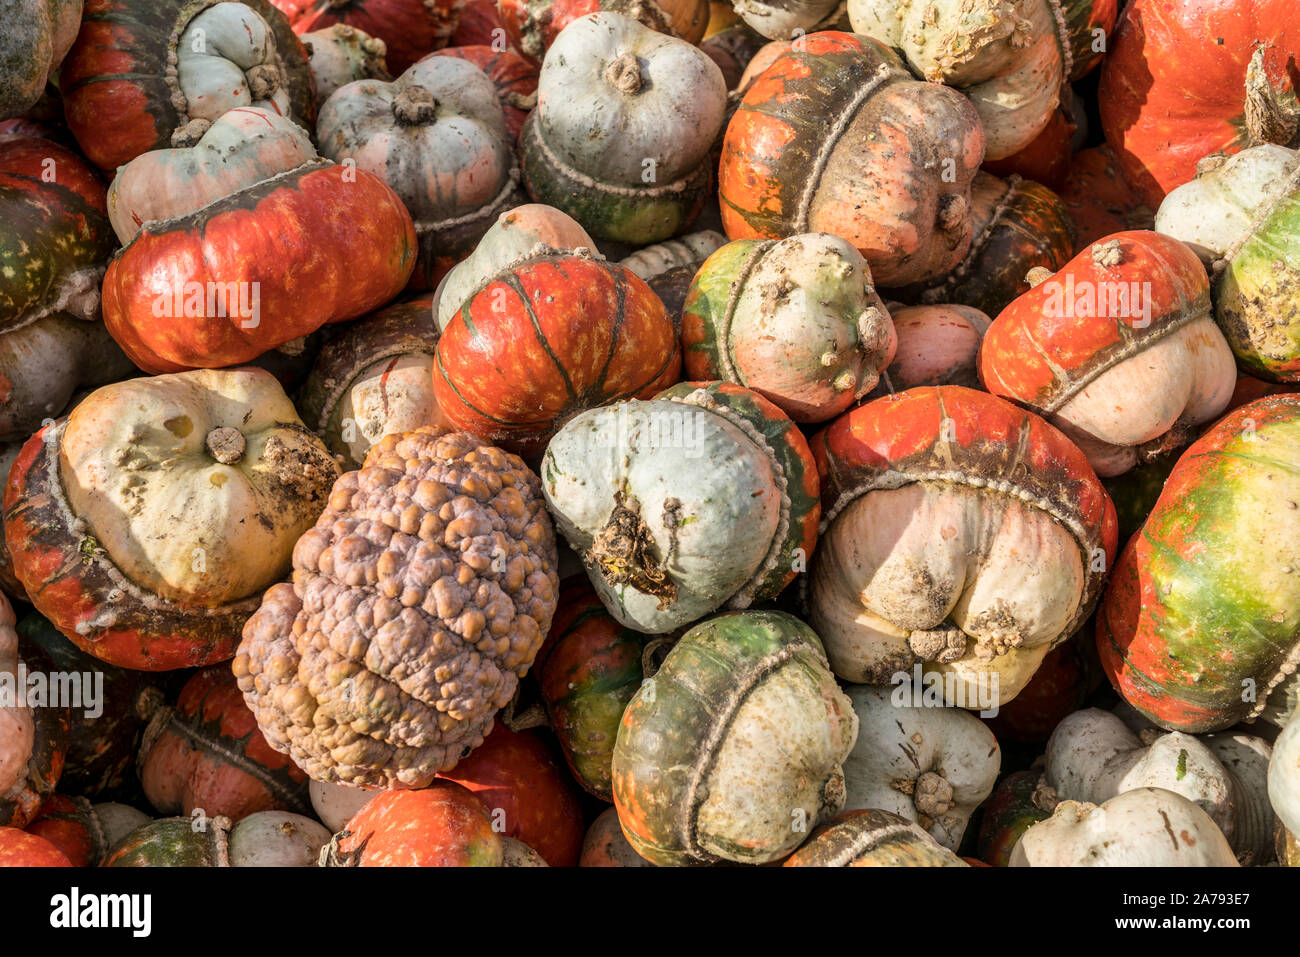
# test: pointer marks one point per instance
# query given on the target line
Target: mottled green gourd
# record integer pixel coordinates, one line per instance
(733, 751)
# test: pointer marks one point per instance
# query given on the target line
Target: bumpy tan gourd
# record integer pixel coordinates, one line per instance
(418, 601)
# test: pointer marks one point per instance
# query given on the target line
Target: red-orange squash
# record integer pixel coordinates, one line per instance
(207, 754)
(542, 341)
(1176, 77)
(1200, 623)
(962, 535)
(529, 793)
(836, 137)
(442, 825)
(1118, 349)
(257, 268)
(20, 849)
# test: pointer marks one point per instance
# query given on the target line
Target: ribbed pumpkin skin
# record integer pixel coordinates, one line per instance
(796, 460)
(1173, 82)
(872, 838)
(208, 753)
(117, 99)
(50, 231)
(779, 176)
(20, 849)
(527, 790)
(1008, 813)
(588, 670)
(443, 825)
(100, 749)
(1017, 225)
(324, 243)
(1100, 199)
(1204, 603)
(539, 343)
(514, 77)
(174, 842)
(533, 25)
(410, 29)
(670, 738)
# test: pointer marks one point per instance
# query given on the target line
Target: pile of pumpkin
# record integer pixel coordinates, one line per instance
(893, 373)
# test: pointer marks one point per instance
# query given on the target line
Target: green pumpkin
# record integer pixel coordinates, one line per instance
(733, 751)
(175, 842)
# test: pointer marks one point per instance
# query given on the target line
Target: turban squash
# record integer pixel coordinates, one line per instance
(146, 524)
(150, 74)
(835, 136)
(1200, 623)
(260, 243)
(960, 533)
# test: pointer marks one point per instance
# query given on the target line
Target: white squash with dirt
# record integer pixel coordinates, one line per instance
(1146, 827)
(929, 765)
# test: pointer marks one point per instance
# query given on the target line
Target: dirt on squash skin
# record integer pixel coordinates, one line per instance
(305, 472)
(622, 550)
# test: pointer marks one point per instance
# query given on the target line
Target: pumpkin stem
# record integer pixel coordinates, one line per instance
(953, 210)
(414, 105)
(932, 794)
(622, 550)
(624, 74)
(225, 444)
(1268, 118)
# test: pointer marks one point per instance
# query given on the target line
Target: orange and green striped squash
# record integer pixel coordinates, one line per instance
(1201, 617)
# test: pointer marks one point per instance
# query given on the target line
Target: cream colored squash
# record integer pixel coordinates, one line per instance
(197, 484)
(929, 765)
(1146, 827)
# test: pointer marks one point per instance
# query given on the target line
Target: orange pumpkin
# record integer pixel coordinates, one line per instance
(540, 342)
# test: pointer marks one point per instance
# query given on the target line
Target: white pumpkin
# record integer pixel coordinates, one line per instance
(1147, 827)
(1218, 209)
(436, 135)
(341, 54)
(1093, 756)
(276, 839)
(625, 119)
(929, 765)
